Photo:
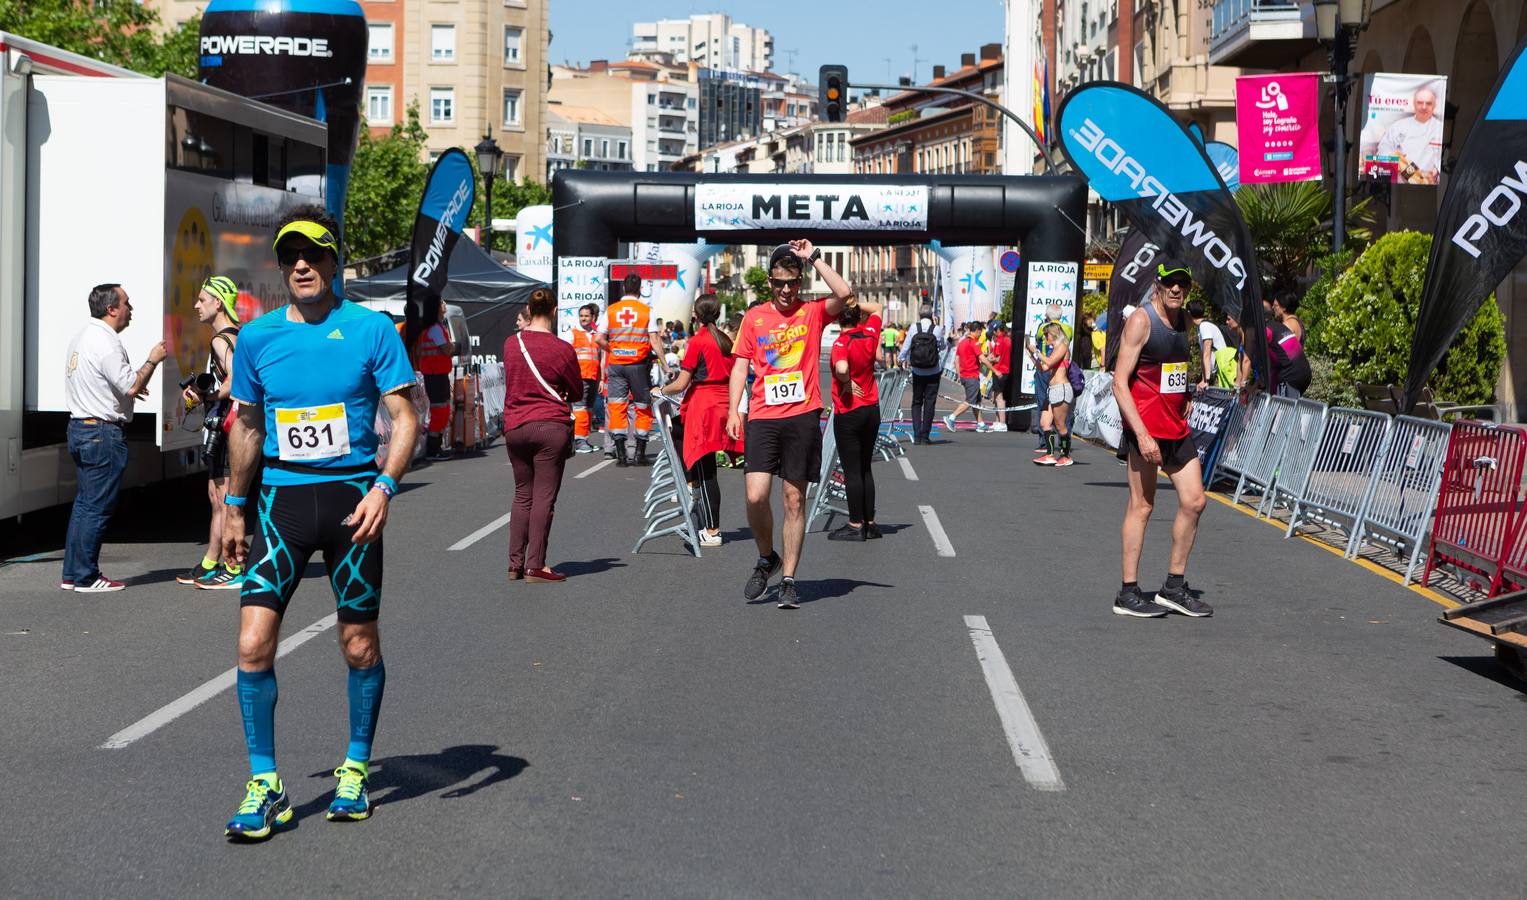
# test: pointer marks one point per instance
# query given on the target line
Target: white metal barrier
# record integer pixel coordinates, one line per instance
(892, 388)
(668, 505)
(1299, 448)
(829, 495)
(1339, 478)
(1398, 512)
(1247, 430)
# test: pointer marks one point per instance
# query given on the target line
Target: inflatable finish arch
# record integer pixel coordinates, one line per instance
(594, 211)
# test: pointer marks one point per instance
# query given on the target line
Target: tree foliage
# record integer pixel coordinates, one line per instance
(386, 182)
(1289, 224)
(1372, 315)
(757, 281)
(119, 32)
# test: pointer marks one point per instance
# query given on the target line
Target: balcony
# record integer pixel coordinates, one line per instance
(1260, 34)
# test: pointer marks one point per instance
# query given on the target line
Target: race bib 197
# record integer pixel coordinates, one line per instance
(1174, 378)
(784, 387)
(313, 432)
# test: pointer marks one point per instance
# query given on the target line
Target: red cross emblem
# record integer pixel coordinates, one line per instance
(626, 317)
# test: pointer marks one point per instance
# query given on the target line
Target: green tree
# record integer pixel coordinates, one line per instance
(177, 52)
(386, 181)
(757, 281)
(120, 32)
(1289, 224)
(1372, 315)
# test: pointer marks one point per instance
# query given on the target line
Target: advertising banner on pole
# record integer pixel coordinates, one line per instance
(1401, 141)
(1277, 119)
(443, 211)
(580, 280)
(1052, 295)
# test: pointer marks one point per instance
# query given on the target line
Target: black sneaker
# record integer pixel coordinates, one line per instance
(872, 532)
(1133, 603)
(758, 582)
(1181, 600)
(196, 574)
(788, 598)
(846, 533)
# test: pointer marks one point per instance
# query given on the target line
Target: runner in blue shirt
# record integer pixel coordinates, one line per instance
(308, 378)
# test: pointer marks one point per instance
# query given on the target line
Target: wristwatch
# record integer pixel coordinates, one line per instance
(816, 254)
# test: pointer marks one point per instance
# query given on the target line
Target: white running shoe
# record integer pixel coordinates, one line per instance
(710, 538)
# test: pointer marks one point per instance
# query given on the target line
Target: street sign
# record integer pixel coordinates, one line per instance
(1011, 261)
(1097, 271)
(647, 271)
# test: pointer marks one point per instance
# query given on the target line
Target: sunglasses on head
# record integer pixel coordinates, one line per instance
(288, 256)
(785, 282)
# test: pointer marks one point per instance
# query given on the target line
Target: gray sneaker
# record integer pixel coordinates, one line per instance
(787, 597)
(1133, 603)
(1182, 600)
(758, 582)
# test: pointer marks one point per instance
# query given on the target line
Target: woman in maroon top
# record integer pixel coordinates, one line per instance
(540, 376)
(704, 371)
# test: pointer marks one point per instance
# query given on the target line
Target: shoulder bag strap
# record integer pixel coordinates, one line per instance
(537, 372)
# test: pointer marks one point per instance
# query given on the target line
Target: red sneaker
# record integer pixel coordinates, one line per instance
(1046, 460)
(101, 585)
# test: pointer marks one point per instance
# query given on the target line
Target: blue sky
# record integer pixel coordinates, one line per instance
(861, 34)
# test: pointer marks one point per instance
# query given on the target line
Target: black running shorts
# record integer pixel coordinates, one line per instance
(291, 523)
(1175, 452)
(790, 448)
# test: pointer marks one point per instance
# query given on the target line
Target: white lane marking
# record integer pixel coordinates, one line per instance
(1029, 748)
(595, 468)
(480, 533)
(936, 531)
(906, 468)
(173, 710)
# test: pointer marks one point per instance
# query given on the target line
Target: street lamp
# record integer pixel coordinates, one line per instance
(1336, 24)
(488, 156)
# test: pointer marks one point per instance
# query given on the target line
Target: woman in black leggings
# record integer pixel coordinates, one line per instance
(701, 381)
(856, 416)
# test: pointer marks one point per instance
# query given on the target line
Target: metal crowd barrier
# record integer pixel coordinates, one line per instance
(1339, 477)
(1398, 511)
(1249, 430)
(668, 505)
(491, 385)
(1262, 456)
(1299, 448)
(892, 387)
(829, 495)
(1478, 503)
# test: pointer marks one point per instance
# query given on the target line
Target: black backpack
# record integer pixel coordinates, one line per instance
(923, 351)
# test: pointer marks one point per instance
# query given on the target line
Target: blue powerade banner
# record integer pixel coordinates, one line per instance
(1139, 158)
(1481, 231)
(443, 211)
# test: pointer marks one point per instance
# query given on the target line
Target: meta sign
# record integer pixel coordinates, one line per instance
(858, 207)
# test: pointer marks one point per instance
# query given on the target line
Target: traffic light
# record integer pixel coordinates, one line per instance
(832, 88)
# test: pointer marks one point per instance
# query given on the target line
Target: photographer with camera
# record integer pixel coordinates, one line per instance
(215, 306)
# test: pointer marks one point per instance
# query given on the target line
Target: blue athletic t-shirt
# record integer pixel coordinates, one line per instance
(319, 386)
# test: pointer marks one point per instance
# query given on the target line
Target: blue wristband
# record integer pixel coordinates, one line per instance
(386, 485)
(231, 500)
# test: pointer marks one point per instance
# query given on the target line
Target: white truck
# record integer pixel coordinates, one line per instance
(154, 183)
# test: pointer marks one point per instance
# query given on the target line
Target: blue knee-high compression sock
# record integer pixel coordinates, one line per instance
(365, 703)
(257, 704)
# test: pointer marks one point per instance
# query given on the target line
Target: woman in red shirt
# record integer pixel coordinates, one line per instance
(540, 378)
(856, 415)
(704, 372)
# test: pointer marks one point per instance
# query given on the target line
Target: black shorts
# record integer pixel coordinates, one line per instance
(1175, 452)
(999, 386)
(291, 523)
(790, 448)
(217, 459)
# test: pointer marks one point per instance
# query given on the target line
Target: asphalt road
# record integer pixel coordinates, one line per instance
(641, 731)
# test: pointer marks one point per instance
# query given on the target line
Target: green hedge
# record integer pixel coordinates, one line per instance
(1367, 318)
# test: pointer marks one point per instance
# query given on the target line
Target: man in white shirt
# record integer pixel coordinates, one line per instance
(100, 385)
(1418, 139)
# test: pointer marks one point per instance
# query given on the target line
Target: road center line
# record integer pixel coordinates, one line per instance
(480, 533)
(594, 468)
(936, 531)
(1029, 748)
(173, 710)
(906, 468)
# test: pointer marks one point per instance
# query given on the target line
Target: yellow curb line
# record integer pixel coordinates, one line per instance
(1373, 567)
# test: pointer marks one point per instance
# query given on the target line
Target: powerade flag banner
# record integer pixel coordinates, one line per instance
(1134, 271)
(1206, 422)
(306, 56)
(1139, 158)
(1481, 230)
(1227, 162)
(443, 212)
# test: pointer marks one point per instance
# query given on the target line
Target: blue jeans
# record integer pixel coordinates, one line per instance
(100, 456)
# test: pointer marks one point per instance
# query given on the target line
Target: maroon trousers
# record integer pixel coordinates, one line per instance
(538, 454)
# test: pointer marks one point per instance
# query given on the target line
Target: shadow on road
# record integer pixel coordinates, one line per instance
(589, 566)
(396, 779)
(812, 590)
(1488, 667)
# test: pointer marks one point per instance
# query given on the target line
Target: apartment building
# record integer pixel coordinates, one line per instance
(712, 40)
(658, 101)
(580, 137)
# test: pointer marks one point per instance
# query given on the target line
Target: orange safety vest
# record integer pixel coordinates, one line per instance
(588, 354)
(433, 360)
(626, 327)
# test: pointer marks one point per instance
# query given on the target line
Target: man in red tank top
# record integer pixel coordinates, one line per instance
(1150, 383)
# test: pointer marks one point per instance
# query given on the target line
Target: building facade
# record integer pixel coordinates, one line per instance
(578, 137)
(731, 105)
(712, 40)
(658, 103)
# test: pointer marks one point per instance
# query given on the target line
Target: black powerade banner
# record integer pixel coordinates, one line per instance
(306, 56)
(1481, 231)
(443, 212)
(1207, 418)
(1136, 156)
(1134, 272)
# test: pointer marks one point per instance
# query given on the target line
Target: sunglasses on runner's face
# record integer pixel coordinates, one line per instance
(288, 256)
(1181, 282)
(785, 282)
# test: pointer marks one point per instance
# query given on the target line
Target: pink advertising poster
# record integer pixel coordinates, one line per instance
(1277, 120)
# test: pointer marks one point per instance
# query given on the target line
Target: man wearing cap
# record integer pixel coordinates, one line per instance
(308, 378)
(215, 307)
(781, 340)
(1151, 386)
